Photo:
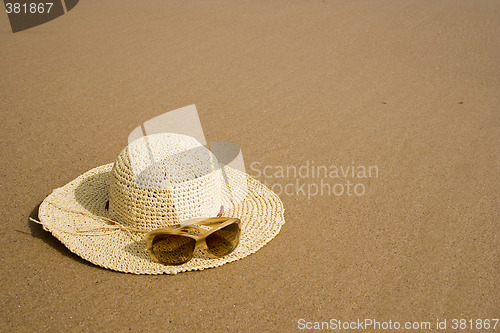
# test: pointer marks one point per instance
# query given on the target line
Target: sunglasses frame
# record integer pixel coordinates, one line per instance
(185, 229)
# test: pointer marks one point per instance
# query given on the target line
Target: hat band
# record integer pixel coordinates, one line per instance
(107, 229)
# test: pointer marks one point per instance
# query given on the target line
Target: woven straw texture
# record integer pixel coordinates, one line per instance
(157, 181)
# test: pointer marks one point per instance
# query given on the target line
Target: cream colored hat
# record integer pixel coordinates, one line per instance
(157, 181)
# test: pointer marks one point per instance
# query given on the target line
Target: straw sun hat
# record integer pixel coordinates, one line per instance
(157, 181)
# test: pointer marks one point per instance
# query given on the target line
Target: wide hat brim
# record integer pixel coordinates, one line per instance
(82, 202)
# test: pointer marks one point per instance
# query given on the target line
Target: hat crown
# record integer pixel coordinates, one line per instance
(162, 179)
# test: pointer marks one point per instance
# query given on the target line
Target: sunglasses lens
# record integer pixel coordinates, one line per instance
(173, 249)
(224, 241)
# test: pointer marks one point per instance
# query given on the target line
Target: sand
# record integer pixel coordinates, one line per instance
(408, 87)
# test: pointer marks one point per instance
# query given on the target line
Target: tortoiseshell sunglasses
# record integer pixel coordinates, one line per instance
(176, 245)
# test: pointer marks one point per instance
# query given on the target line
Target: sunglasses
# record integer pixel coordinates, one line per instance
(176, 245)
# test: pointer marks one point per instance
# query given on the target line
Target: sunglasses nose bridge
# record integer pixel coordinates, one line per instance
(200, 241)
